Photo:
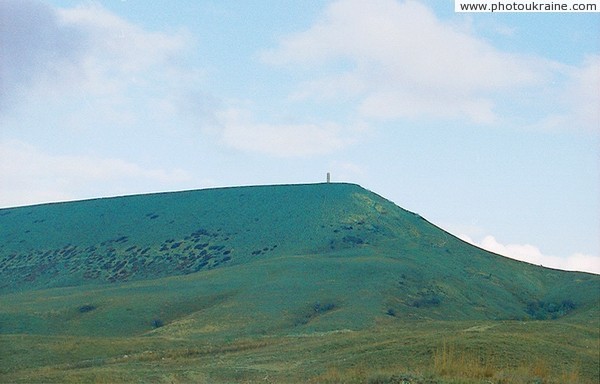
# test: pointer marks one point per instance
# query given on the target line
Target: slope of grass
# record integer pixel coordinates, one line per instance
(338, 233)
(416, 352)
(321, 283)
(351, 289)
(157, 235)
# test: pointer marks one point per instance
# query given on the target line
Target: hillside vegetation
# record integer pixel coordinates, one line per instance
(321, 282)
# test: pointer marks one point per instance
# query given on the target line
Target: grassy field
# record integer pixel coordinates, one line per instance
(283, 320)
(325, 283)
(389, 352)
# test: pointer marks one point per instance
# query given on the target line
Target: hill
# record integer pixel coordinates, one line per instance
(223, 265)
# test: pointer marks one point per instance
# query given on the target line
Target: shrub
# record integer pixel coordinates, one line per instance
(157, 323)
(541, 310)
(322, 308)
(427, 301)
(86, 308)
(353, 240)
(316, 310)
(567, 305)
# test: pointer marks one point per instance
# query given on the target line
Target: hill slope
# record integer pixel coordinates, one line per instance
(157, 235)
(241, 261)
(304, 283)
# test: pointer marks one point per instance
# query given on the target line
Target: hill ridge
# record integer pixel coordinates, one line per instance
(3, 211)
(208, 217)
(325, 254)
(158, 193)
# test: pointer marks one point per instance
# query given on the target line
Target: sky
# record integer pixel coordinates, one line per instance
(487, 125)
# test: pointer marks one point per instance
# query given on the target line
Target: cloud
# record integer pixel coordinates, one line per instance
(29, 175)
(34, 44)
(120, 41)
(80, 80)
(238, 130)
(583, 94)
(82, 52)
(118, 53)
(575, 96)
(400, 60)
(397, 60)
(532, 254)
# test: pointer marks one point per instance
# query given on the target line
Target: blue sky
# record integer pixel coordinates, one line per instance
(485, 124)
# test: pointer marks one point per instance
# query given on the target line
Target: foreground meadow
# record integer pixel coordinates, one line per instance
(390, 352)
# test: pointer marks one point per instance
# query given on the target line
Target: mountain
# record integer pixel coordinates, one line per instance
(320, 283)
(263, 259)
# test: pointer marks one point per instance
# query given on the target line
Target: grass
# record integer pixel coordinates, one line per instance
(449, 362)
(413, 352)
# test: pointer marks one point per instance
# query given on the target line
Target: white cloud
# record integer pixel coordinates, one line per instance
(117, 40)
(85, 59)
(583, 95)
(574, 101)
(532, 254)
(404, 62)
(83, 78)
(396, 59)
(239, 131)
(29, 175)
(34, 45)
(120, 55)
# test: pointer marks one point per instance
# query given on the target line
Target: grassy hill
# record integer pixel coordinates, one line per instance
(243, 272)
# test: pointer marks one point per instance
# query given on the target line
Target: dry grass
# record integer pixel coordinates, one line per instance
(452, 363)
(447, 361)
(412, 353)
(571, 376)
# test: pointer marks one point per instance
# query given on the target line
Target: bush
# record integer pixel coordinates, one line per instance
(322, 308)
(316, 310)
(157, 323)
(541, 310)
(353, 240)
(427, 301)
(86, 308)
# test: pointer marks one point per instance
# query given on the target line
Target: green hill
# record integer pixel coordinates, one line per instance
(229, 264)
